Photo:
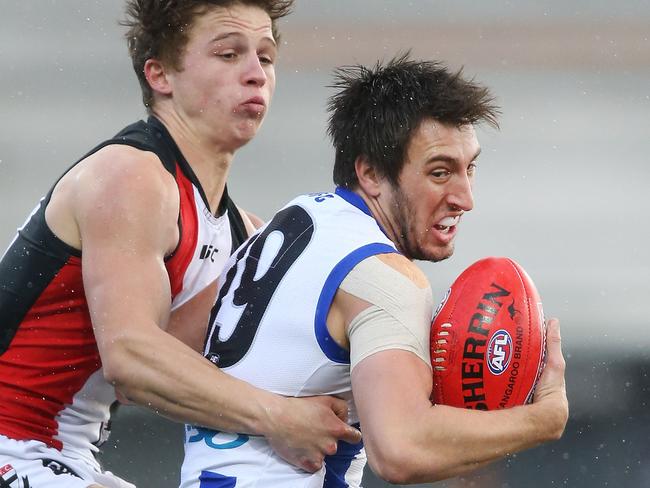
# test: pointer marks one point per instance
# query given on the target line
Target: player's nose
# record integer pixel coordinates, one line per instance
(460, 195)
(254, 72)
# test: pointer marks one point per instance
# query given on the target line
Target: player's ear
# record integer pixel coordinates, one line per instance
(157, 76)
(368, 177)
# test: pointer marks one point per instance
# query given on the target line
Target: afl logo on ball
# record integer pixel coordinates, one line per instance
(499, 352)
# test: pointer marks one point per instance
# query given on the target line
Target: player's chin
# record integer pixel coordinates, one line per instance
(253, 115)
(246, 130)
(435, 253)
(437, 257)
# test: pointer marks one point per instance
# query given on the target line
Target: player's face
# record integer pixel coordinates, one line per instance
(227, 74)
(434, 190)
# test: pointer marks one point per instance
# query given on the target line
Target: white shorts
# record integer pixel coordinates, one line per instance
(31, 464)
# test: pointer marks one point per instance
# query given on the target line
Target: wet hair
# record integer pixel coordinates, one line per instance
(376, 111)
(159, 29)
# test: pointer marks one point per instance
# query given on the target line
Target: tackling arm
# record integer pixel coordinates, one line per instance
(126, 207)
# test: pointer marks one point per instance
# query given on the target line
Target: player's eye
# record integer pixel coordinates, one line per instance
(440, 173)
(264, 59)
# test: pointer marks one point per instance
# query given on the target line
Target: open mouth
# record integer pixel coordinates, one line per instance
(447, 224)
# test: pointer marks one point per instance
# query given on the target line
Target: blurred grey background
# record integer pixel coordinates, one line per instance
(562, 188)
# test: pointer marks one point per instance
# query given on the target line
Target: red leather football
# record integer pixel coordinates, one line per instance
(488, 338)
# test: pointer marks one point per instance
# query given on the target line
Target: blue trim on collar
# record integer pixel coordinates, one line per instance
(353, 199)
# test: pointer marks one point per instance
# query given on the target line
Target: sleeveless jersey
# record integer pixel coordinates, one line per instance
(51, 384)
(268, 327)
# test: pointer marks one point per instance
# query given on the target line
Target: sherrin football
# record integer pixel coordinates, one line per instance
(488, 338)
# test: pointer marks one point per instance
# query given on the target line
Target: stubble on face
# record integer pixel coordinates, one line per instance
(404, 215)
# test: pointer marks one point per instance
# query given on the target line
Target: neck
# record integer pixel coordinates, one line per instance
(209, 161)
(384, 212)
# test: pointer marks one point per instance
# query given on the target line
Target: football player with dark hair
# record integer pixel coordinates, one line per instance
(325, 298)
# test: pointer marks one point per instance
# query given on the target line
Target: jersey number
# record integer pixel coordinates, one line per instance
(297, 228)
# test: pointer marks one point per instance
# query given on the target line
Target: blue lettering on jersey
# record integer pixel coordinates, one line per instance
(215, 480)
(320, 197)
(208, 436)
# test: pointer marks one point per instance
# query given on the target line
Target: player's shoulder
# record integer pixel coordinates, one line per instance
(120, 180)
(123, 156)
(406, 267)
(118, 166)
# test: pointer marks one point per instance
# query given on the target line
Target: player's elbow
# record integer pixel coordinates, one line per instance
(118, 365)
(393, 474)
(391, 463)
(115, 374)
(403, 463)
(388, 467)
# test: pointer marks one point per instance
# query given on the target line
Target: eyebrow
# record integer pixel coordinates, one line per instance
(226, 35)
(450, 159)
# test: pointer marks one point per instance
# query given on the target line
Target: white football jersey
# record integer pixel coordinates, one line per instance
(268, 327)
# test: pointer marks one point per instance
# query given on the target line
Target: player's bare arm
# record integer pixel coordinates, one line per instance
(128, 224)
(410, 440)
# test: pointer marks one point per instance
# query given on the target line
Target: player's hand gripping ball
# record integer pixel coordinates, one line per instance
(488, 338)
